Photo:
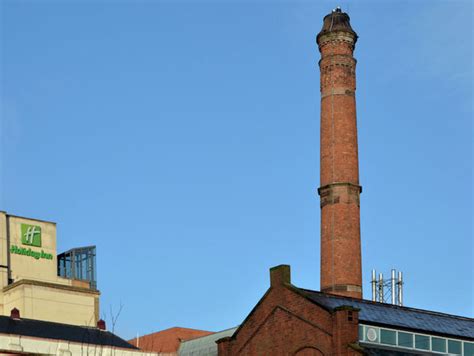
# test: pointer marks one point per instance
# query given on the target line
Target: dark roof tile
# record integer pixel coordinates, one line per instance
(58, 331)
(397, 316)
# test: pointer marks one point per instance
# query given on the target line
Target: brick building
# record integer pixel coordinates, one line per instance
(336, 320)
(294, 321)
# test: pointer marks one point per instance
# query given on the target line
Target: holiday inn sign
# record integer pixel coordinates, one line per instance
(30, 236)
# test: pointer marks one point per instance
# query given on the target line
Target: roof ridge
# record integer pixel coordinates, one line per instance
(389, 305)
(60, 331)
(184, 328)
(170, 329)
(54, 322)
(213, 333)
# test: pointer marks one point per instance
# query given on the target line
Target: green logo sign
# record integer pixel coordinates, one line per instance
(31, 235)
(31, 253)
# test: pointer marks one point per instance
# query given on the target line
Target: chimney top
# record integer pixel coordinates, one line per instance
(336, 21)
(101, 324)
(15, 313)
(280, 275)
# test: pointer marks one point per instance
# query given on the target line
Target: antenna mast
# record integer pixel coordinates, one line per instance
(387, 291)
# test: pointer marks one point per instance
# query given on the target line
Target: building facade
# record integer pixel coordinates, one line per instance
(32, 280)
(291, 321)
(49, 303)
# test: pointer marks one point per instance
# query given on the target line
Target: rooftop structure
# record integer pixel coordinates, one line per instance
(79, 264)
(38, 282)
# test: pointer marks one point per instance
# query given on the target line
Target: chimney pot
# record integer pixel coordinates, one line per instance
(101, 324)
(15, 313)
(280, 275)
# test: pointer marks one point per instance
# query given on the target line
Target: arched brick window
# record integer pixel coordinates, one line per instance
(308, 351)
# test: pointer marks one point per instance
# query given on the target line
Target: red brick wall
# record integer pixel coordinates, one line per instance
(284, 322)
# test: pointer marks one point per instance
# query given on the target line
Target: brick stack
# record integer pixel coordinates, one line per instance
(339, 192)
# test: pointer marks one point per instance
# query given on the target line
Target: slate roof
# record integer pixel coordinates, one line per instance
(398, 317)
(58, 331)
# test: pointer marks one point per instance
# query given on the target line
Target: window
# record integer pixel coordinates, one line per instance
(468, 349)
(399, 339)
(454, 347)
(422, 342)
(79, 263)
(438, 344)
(405, 339)
(388, 337)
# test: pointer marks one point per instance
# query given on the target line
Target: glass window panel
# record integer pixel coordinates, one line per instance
(454, 347)
(405, 339)
(422, 342)
(68, 268)
(438, 344)
(80, 264)
(84, 269)
(468, 349)
(388, 337)
(361, 333)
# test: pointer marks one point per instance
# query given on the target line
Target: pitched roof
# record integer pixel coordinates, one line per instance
(396, 316)
(167, 340)
(58, 331)
(204, 345)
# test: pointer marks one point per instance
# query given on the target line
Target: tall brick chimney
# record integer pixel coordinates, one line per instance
(339, 191)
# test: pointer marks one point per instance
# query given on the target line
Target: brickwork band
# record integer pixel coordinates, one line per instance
(340, 190)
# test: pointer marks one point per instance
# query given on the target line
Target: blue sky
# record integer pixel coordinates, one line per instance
(182, 138)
